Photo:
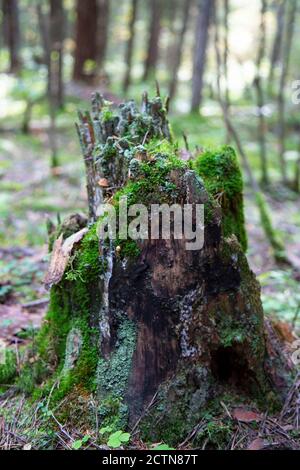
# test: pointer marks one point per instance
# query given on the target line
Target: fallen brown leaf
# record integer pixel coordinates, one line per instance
(246, 416)
(257, 444)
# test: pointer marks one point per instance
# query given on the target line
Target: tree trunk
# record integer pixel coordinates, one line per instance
(56, 54)
(226, 53)
(205, 9)
(265, 218)
(179, 48)
(172, 12)
(130, 44)
(44, 28)
(277, 45)
(102, 36)
(86, 40)
(262, 128)
(153, 39)
(157, 329)
(286, 54)
(10, 10)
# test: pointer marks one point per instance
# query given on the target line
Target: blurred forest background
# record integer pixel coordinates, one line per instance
(228, 67)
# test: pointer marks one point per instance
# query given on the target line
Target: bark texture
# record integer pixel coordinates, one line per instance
(205, 10)
(130, 44)
(153, 39)
(56, 90)
(10, 10)
(102, 35)
(86, 40)
(179, 48)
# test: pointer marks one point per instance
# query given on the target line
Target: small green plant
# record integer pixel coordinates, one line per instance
(80, 442)
(116, 439)
(163, 447)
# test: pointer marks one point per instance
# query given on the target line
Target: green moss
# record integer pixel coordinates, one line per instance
(71, 309)
(87, 264)
(107, 114)
(129, 248)
(113, 412)
(216, 434)
(223, 180)
(155, 180)
(8, 370)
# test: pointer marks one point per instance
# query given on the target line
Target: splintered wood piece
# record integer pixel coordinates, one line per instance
(60, 256)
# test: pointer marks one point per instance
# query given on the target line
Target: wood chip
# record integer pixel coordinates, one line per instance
(60, 256)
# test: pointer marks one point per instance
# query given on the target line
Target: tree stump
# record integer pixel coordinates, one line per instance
(158, 333)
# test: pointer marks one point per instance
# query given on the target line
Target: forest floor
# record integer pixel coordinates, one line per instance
(29, 194)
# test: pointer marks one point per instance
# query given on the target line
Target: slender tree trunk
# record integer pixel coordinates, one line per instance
(173, 11)
(86, 40)
(262, 127)
(275, 55)
(179, 48)
(153, 40)
(44, 28)
(56, 54)
(130, 44)
(296, 183)
(286, 54)
(205, 8)
(10, 10)
(265, 218)
(226, 50)
(102, 34)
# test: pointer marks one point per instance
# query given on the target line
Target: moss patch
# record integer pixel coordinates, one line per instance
(223, 180)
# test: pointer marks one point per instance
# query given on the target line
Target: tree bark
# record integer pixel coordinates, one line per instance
(205, 9)
(286, 55)
(56, 85)
(102, 36)
(179, 48)
(10, 10)
(277, 45)
(265, 218)
(130, 44)
(153, 39)
(262, 128)
(86, 40)
(226, 51)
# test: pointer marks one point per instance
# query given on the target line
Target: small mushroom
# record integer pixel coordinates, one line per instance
(103, 183)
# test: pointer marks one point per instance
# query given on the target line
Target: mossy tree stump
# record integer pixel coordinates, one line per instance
(175, 329)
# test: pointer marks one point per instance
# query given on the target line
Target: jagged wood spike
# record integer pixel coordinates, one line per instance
(167, 103)
(157, 88)
(185, 141)
(144, 102)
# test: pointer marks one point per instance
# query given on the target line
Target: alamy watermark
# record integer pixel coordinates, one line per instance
(158, 221)
(296, 354)
(296, 92)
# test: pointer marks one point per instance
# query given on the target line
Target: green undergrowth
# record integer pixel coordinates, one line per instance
(172, 423)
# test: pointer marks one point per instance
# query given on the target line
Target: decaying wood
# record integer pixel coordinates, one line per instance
(60, 256)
